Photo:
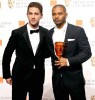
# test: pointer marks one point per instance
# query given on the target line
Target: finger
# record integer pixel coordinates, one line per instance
(57, 64)
(57, 61)
(10, 82)
(59, 67)
(58, 58)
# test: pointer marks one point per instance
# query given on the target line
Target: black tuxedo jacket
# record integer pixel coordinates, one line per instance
(78, 51)
(23, 71)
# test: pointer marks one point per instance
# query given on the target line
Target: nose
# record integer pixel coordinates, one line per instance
(56, 16)
(33, 15)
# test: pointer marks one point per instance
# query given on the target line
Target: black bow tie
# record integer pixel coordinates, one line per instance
(34, 31)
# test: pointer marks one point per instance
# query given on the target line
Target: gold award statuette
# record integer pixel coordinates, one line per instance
(60, 49)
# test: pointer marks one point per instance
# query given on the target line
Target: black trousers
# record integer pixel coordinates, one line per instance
(19, 92)
(62, 91)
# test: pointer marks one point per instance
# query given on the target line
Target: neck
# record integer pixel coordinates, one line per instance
(34, 26)
(59, 26)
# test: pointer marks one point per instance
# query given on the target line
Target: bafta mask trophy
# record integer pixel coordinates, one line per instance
(60, 49)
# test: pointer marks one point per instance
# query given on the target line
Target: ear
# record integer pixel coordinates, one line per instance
(41, 16)
(66, 15)
(26, 14)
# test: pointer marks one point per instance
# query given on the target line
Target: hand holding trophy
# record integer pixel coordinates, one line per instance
(60, 51)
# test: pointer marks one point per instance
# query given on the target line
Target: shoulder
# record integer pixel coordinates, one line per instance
(43, 28)
(74, 27)
(51, 30)
(19, 30)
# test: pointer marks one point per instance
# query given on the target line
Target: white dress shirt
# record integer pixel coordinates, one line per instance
(59, 34)
(34, 38)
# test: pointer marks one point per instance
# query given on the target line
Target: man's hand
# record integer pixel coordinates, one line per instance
(9, 81)
(61, 62)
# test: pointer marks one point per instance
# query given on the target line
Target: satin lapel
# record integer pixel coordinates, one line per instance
(50, 39)
(25, 35)
(40, 40)
(67, 36)
(50, 42)
(67, 33)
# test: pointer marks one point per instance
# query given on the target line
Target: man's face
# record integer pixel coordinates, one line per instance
(34, 15)
(59, 15)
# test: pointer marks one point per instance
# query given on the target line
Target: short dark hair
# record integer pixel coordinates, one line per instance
(37, 5)
(59, 5)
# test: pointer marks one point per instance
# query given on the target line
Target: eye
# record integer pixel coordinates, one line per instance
(36, 13)
(60, 13)
(53, 14)
(29, 13)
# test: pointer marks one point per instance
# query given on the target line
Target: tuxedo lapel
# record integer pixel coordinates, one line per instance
(40, 40)
(50, 41)
(67, 33)
(26, 37)
(50, 38)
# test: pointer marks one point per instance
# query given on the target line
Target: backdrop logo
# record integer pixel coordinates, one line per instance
(67, 3)
(53, 2)
(93, 61)
(92, 21)
(79, 23)
(11, 3)
(21, 23)
(93, 97)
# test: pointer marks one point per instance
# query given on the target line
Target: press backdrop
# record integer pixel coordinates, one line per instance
(80, 12)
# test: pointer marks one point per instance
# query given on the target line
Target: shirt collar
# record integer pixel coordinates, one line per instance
(30, 28)
(62, 29)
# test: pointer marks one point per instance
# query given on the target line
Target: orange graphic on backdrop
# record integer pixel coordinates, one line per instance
(53, 2)
(79, 23)
(0, 42)
(21, 23)
(1, 80)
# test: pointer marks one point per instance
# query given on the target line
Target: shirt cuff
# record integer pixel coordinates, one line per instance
(68, 63)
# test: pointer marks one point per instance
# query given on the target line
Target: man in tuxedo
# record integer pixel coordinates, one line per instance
(67, 77)
(29, 44)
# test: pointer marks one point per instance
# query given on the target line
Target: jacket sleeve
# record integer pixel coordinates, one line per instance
(46, 48)
(84, 50)
(7, 56)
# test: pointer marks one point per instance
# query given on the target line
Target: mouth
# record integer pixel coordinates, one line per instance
(33, 20)
(57, 21)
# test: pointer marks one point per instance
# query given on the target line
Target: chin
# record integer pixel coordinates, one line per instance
(33, 24)
(58, 24)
